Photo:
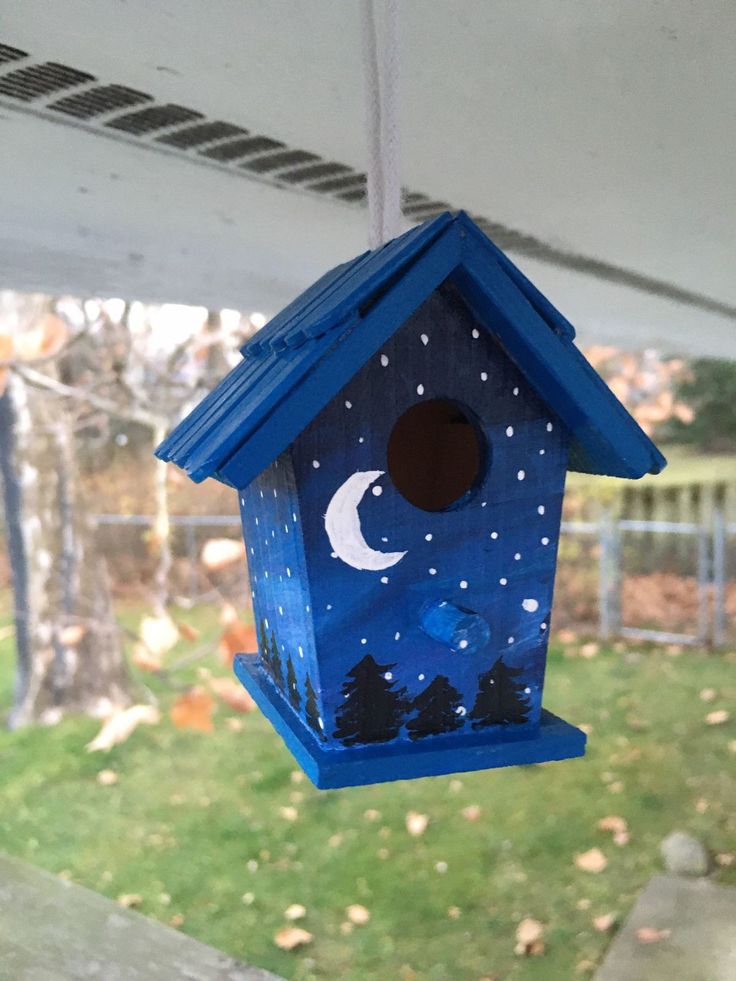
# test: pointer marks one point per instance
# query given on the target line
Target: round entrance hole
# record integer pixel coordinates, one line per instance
(436, 454)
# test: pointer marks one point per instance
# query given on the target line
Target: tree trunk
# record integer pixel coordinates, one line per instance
(69, 648)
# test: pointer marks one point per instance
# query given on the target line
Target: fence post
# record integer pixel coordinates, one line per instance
(719, 578)
(609, 600)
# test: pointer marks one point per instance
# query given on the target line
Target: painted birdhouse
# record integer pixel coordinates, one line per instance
(398, 438)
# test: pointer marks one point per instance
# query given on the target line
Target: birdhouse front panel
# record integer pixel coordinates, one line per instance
(400, 434)
(430, 492)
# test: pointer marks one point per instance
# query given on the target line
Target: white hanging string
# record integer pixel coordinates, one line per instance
(381, 72)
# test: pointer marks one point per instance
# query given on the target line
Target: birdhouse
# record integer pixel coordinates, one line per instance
(398, 438)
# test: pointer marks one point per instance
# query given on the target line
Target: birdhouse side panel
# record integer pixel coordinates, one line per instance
(272, 530)
(432, 623)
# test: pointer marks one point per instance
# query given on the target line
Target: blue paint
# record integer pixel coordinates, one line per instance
(435, 662)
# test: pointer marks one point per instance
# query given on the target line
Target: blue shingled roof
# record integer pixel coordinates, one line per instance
(309, 351)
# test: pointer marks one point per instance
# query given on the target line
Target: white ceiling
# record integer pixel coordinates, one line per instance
(607, 130)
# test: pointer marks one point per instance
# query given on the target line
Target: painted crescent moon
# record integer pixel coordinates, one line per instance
(342, 523)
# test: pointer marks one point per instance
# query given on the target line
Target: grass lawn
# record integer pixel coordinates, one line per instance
(218, 833)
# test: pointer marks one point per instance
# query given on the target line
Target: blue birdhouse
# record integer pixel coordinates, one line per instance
(398, 438)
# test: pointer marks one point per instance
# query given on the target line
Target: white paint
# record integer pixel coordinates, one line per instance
(397, 635)
(420, 677)
(361, 439)
(550, 427)
(463, 644)
(461, 710)
(342, 524)
(509, 431)
(516, 391)
(428, 537)
(521, 475)
(388, 676)
(281, 611)
(511, 640)
(432, 572)
(420, 389)
(384, 361)
(301, 652)
(424, 339)
(541, 452)
(377, 490)
(530, 605)
(540, 509)
(384, 580)
(476, 333)
(517, 556)
(545, 541)
(484, 376)
(463, 584)
(315, 464)
(494, 535)
(348, 404)
(503, 581)
(364, 640)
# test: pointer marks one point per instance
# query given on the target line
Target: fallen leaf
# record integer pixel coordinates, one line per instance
(130, 899)
(621, 838)
(237, 638)
(188, 632)
(589, 650)
(454, 912)
(144, 659)
(707, 694)
(159, 634)
(107, 778)
(346, 928)
(416, 823)
(233, 694)
(289, 813)
(612, 823)
(295, 912)
(118, 727)
(604, 923)
(176, 920)
(725, 859)
(371, 814)
(220, 552)
(717, 718)
(358, 914)
(234, 724)
(591, 861)
(702, 805)
(651, 935)
(70, 636)
(193, 710)
(529, 941)
(291, 937)
(471, 813)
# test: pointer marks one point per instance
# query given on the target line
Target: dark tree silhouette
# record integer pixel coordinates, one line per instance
(501, 699)
(310, 709)
(264, 647)
(436, 710)
(292, 688)
(371, 711)
(275, 663)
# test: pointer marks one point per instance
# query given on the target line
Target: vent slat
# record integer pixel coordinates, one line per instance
(11, 54)
(157, 117)
(357, 195)
(339, 183)
(37, 81)
(262, 165)
(191, 136)
(94, 102)
(239, 148)
(304, 174)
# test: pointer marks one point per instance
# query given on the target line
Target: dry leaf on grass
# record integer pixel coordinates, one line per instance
(119, 726)
(604, 923)
(372, 814)
(295, 912)
(144, 659)
(237, 638)
(416, 823)
(529, 941)
(70, 636)
(188, 632)
(234, 724)
(613, 823)
(233, 694)
(193, 710)
(358, 914)
(130, 899)
(107, 778)
(159, 634)
(471, 813)
(651, 935)
(591, 861)
(220, 552)
(589, 650)
(725, 859)
(707, 694)
(291, 937)
(289, 813)
(717, 718)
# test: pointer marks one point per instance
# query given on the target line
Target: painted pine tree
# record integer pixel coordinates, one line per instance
(372, 711)
(292, 688)
(437, 710)
(275, 662)
(311, 710)
(501, 699)
(264, 647)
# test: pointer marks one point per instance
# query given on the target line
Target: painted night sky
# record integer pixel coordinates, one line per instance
(495, 554)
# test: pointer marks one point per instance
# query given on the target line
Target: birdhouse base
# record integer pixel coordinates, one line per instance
(349, 766)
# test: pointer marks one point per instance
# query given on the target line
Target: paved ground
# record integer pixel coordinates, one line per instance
(51, 930)
(700, 945)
